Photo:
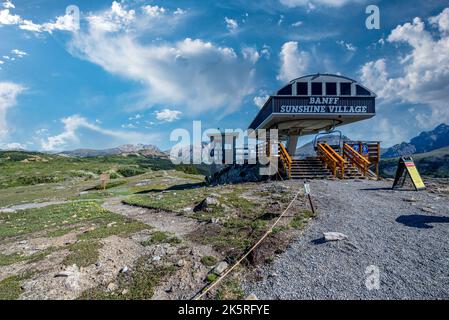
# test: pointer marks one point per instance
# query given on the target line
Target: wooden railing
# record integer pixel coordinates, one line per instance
(356, 159)
(332, 159)
(285, 159)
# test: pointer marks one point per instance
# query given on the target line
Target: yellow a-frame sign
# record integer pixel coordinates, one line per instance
(407, 165)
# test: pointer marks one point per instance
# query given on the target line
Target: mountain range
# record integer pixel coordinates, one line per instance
(146, 150)
(425, 142)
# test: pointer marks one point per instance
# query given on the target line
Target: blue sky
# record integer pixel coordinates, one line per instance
(132, 71)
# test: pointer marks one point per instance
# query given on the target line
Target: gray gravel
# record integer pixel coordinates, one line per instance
(405, 234)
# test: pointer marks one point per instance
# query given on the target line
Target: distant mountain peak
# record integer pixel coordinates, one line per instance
(426, 141)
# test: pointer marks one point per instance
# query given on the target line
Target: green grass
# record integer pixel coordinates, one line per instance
(230, 290)
(61, 217)
(158, 237)
(174, 201)
(8, 259)
(139, 283)
(83, 253)
(209, 261)
(299, 221)
(211, 277)
(10, 288)
(28, 168)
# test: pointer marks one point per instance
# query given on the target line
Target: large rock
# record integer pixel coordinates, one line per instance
(220, 268)
(207, 203)
(334, 236)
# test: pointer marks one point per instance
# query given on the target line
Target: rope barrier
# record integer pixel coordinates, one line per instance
(270, 230)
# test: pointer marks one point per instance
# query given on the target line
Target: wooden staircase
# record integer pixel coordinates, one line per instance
(328, 164)
(309, 168)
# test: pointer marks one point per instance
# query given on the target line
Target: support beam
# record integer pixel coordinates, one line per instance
(291, 144)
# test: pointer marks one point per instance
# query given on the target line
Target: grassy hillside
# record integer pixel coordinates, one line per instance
(29, 168)
(434, 164)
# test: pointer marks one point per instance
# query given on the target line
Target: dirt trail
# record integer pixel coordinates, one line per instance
(191, 273)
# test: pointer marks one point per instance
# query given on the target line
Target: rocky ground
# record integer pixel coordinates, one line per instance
(401, 236)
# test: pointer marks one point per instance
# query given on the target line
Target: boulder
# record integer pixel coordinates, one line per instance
(334, 236)
(220, 268)
(206, 204)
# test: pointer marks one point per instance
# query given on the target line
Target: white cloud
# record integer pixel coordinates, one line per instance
(8, 95)
(68, 22)
(260, 100)
(311, 4)
(13, 146)
(297, 24)
(293, 62)
(348, 46)
(423, 74)
(188, 74)
(9, 19)
(179, 11)
(8, 5)
(153, 11)
(74, 123)
(1, 62)
(441, 20)
(19, 53)
(231, 24)
(251, 54)
(167, 115)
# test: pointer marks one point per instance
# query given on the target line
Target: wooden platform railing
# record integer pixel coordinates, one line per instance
(285, 159)
(356, 159)
(332, 159)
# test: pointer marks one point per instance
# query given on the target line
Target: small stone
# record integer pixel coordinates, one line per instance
(124, 269)
(125, 291)
(23, 242)
(220, 268)
(111, 224)
(251, 296)
(156, 258)
(169, 290)
(181, 263)
(112, 287)
(334, 236)
(63, 274)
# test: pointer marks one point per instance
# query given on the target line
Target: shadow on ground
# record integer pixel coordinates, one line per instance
(175, 188)
(420, 221)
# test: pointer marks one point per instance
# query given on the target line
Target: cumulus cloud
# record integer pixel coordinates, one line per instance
(7, 18)
(167, 115)
(153, 11)
(293, 61)
(260, 100)
(191, 73)
(8, 4)
(67, 22)
(13, 146)
(423, 74)
(8, 99)
(74, 123)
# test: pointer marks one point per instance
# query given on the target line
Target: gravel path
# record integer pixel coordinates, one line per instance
(405, 234)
